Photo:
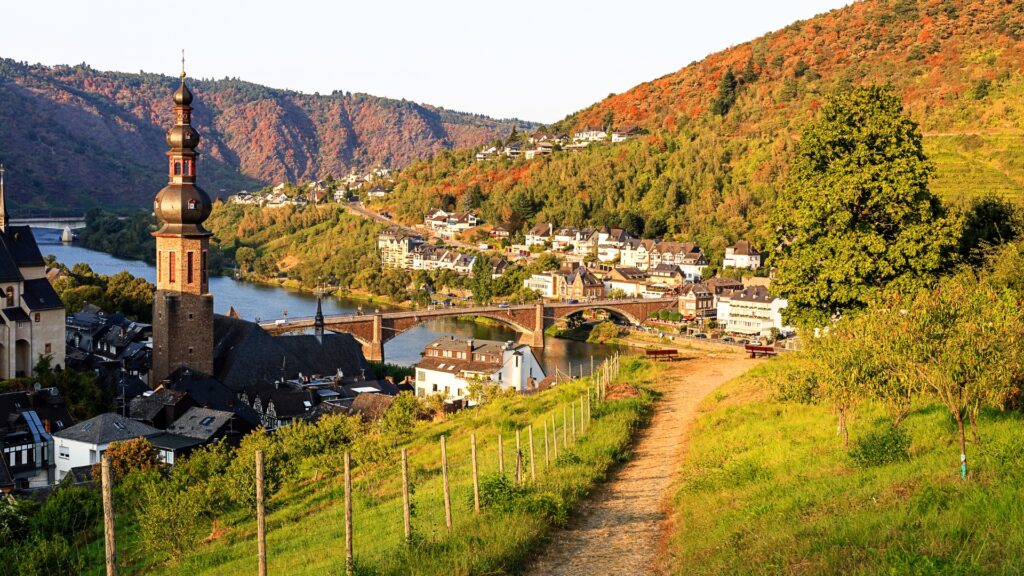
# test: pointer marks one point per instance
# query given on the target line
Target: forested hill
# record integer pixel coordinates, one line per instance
(74, 137)
(720, 132)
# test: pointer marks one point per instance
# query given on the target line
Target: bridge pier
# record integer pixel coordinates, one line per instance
(537, 338)
(374, 351)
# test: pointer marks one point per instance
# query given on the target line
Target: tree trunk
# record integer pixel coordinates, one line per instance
(963, 442)
(842, 428)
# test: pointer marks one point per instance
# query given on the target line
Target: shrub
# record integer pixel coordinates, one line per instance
(68, 511)
(51, 556)
(881, 447)
(499, 493)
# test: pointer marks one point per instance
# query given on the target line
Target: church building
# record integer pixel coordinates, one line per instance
(182, 305)
(32, 316)
(221, 362)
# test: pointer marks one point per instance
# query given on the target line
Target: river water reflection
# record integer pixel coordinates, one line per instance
(253, 301)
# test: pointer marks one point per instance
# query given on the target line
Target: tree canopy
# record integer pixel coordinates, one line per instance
(856, 213)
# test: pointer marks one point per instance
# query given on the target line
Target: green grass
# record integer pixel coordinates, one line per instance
(767, 488)
(305, 520)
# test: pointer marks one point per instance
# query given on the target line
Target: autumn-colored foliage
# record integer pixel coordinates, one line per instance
(130, 455)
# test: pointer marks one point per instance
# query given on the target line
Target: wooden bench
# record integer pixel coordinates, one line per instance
(764, 351)
(664, 354)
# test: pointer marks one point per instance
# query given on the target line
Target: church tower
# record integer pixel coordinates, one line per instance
(182, 305)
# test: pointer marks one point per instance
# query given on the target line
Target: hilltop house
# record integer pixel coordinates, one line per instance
(742, 254)
(590, 134)
(624, 133)
(450, 364)
(449, 224)
(540, 234)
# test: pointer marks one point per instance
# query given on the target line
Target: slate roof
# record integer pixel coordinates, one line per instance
(148, 407)
(174, 442)
(107, 428)
(371, 406)
(47, 403)
(244, 354)
(15, 314)
(20, 243)
(200, 423)
(744, 248)
(9, 271)
(39, 295)
(210, 393)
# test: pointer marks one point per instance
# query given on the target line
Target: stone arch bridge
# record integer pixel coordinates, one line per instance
(530, 320)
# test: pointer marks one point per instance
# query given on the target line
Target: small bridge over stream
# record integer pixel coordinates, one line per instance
(530, 320)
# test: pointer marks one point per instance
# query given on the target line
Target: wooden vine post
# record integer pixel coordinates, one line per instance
(447, 494)
(261, 519)
(108, 516)
(406, 508)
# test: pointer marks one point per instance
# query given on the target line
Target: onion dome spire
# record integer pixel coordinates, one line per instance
(181, 206)
(318, 320)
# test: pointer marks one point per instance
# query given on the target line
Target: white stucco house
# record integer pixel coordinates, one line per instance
(450, 364)
(84, 443)
(750, 312)
(742, 254)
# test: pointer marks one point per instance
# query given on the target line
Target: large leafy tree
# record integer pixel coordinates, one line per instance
(856, 213)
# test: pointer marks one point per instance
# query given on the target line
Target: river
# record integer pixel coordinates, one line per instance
(253, 301)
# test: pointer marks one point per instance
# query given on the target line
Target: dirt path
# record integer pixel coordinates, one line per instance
(621, 528)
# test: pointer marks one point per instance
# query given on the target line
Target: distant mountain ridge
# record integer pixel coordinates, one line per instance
(75, 137)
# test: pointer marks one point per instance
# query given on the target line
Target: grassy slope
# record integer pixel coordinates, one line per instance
(305, 522)
(767, 488)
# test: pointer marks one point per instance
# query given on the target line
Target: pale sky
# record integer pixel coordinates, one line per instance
(535, 60)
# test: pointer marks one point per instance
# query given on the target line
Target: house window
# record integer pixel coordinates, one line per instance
(170, 266)
(37, 317)
(10, 296)
(188, 274)
(48, 349)
(63, 453)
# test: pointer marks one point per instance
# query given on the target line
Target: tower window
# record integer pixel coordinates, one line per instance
(48, 349)
(37, 317)
(177, 168)
(188, 168)
(188, 275)
(10, 296)
(170, 265)
(191, 203)
(202, 267)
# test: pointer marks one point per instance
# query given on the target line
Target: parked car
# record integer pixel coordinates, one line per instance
(503, 305)
(700, 335)
(728, 339)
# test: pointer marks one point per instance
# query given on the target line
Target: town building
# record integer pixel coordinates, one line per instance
(450, 364)
(450, 224)
(396, 246)
(32, 317)
(581, 284)
(696, 302)
(27, 420)
(751, 311)
(590, 134)
(540, 234)
(742, 254)
(84, 443)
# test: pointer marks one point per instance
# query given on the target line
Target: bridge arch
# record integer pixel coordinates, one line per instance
(629, 316)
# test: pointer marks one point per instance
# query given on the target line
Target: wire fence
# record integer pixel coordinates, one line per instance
(440, 487)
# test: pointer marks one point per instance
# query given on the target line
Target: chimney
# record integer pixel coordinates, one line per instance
(46, 425)
(469, 349)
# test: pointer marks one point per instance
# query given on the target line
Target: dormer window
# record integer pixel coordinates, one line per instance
(10, 296)
(191, 203)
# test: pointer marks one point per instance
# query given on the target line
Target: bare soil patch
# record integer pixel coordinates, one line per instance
(621, 529)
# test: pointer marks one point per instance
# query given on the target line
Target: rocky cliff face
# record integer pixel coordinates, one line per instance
(74, 137)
